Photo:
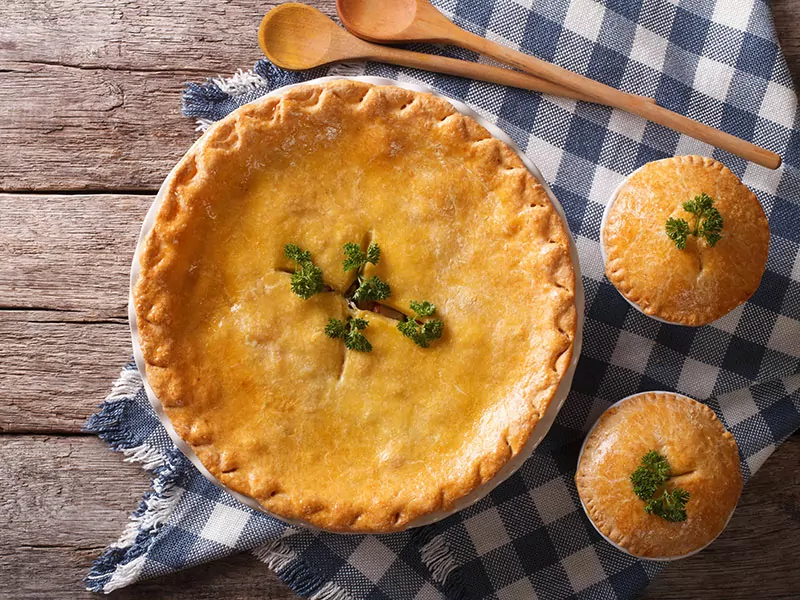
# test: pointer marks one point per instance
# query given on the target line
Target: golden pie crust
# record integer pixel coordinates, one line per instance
(273, 408)
(703, 457)
(699, 284)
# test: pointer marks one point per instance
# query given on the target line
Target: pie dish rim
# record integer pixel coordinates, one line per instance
(586, 511)
(544, 423)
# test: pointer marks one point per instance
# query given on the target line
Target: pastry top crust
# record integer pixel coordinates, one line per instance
(699, 284)
(703, 458)
(345, 440)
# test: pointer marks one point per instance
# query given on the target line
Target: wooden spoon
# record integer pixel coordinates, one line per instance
(295, 36)
(397, 21)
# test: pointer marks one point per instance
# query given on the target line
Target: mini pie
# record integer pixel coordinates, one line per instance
(699, 284)
(276, 410)
(703, 458)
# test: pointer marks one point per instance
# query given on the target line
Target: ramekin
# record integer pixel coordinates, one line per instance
(597, 529)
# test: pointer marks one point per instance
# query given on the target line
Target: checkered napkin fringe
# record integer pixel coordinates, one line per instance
(718, 62)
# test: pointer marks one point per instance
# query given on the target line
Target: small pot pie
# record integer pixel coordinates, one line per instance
(716, 256)
(272, 406)
(699, 486)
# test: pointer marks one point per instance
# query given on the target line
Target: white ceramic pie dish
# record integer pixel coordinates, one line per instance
(586, 512)
(544, 423)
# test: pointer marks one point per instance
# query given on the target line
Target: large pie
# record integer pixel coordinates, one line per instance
(277, 410)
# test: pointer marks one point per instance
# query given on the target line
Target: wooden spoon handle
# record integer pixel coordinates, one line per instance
(471, 70)
(613, 97)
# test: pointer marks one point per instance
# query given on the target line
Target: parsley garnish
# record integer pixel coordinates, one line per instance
(368, 290)
(350, 332)
(422, 332)
(356, 259)
(307, 279)
(372, 289)
(707, 222)
(651, 476)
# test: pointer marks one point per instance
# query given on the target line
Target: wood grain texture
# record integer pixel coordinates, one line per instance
(64, 268)
(108, 130)
(101, 86)
(56, 368)
(69, 253)
(786, 15)
(101, 83)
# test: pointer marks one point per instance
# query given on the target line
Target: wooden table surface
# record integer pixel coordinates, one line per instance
(89, 127)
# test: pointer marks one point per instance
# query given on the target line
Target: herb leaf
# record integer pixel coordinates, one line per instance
(357, 323)
(671, 506)
(652, 476)
(355, 259)
(372, 289)
(678, 232)
(357, 341)
(711, 227)
(652, 473)
(368, 290)
(335, 328)
(307, 279)
(422, 334)
(373, 254)
(350, 332)
(423, 309)
(708, 222)
(296, 253)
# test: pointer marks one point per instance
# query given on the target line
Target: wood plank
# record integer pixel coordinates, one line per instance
(786, 15)
(56, 368)
(64, 499)
(68, 252)
(218, 36)
(56, 573)
(64, 266)
(116, 72)
(75, 485)
(109, 129)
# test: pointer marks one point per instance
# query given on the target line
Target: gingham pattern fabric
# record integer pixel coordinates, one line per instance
(717, 62)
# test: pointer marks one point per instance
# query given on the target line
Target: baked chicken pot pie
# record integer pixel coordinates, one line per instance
(688, 267)
(279, 411)
(659, 475)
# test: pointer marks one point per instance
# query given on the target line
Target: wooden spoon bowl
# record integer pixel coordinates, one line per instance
(296, 37)
(381, 22)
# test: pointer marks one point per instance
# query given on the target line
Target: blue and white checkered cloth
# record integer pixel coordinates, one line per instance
(715, 61)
